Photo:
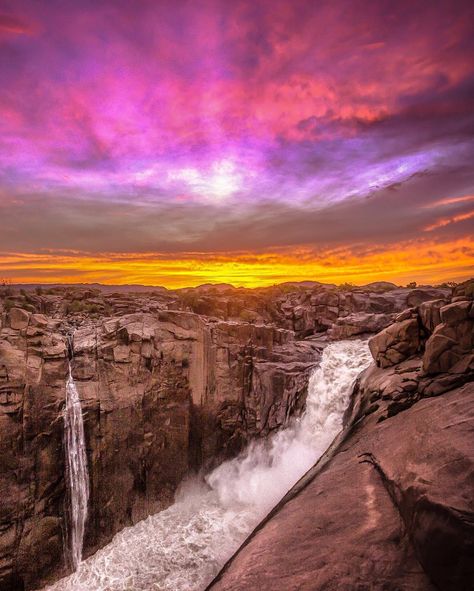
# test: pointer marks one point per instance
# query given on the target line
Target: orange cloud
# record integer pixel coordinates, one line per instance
(452, 200)
(426, 262)
(451, 220)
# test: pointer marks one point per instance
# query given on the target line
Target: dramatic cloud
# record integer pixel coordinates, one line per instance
(210, 129)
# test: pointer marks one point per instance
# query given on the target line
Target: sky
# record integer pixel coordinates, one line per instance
(252, 142)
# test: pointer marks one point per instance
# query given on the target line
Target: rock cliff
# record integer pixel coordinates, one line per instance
(163, 394)
(390, 504)
(171, 383)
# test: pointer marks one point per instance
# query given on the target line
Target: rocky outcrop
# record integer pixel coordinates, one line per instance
(347, 312)
(173, 382)
(313, 308)
(306, 308)
(397, 342)
(390, 504)
(359, 324)
(449, 348)
(445, 331)
(163, 394)
(382, 515)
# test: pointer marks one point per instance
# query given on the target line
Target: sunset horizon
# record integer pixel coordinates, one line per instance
(182, 143)
(236, 295)
(207, 279)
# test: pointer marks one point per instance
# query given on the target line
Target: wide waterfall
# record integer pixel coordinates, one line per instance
(76, 470)
(183, 547)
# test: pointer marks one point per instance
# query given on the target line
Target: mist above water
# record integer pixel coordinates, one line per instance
(183, 547)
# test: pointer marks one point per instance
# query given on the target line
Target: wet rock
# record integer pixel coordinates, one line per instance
(41, 543)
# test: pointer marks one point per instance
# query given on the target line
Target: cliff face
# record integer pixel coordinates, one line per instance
(165, 390)
(33, 367)
(163, 394)
(390, 505)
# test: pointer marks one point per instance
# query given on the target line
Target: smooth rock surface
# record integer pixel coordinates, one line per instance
(383, 514)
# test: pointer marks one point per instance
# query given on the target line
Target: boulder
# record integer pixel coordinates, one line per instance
(450, 346)
(359, 323)
(429, 313)
(456, 312)
(418, 296)
(396, 342)
(19, 318)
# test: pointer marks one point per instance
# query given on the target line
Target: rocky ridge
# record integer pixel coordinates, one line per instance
(167, 387)
(390, 504)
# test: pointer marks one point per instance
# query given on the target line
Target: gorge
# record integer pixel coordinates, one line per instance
(184, 546)
(236, 295)
(203, 407)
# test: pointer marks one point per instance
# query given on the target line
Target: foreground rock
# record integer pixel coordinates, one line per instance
(391, 505)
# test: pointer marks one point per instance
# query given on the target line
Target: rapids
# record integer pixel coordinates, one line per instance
(183, 547)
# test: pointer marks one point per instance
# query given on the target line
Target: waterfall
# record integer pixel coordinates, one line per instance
(183, 547)
(76, 467)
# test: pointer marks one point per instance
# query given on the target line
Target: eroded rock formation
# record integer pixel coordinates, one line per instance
(173, 382)
(163, 394)
(390, 505)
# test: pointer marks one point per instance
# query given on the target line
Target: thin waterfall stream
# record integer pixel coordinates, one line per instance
(77, 474)
(183, 547)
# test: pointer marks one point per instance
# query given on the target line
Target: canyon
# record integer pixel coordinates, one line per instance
(174, 383)
(390, 504)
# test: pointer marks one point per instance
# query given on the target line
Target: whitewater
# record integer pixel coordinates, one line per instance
(76, 471)
(183, 547)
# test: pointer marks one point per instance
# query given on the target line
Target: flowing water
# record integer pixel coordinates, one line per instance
(183, 547)
(76, 471)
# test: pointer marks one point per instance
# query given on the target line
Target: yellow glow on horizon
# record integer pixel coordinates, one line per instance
(423, 262)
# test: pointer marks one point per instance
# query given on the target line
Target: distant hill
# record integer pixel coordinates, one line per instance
(380, 286)
(375, 286)
(219, 287)
(306, 284)
(132, 288)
